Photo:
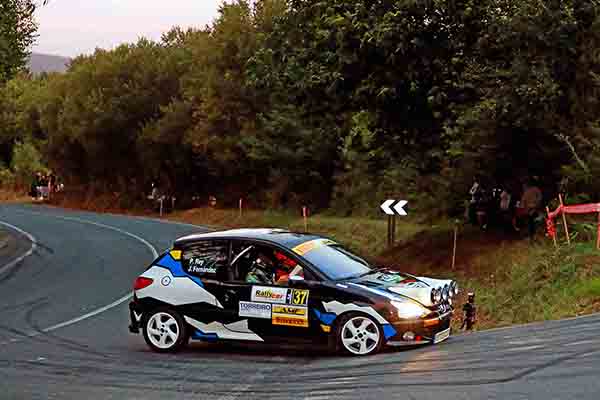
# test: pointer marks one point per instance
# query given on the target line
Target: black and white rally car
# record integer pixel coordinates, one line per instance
(268, 285)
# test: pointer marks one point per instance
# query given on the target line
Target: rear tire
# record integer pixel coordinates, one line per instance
(165, 330)
(358, 335)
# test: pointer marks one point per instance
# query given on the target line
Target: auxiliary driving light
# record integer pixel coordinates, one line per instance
(446, 292)
(436, 296)
(408, 336)
(454, 288)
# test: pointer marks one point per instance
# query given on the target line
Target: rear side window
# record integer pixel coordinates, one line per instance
(207, 259)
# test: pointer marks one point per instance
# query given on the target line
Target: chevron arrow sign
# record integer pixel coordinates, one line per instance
(391, 207)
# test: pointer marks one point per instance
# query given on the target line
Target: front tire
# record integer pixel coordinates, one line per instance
(359, 335)
(165, 330)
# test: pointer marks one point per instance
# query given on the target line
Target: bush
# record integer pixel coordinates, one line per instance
(7, 178)
(26, 161)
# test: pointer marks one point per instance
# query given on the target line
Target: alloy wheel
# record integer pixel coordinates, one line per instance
(163, 330)
(360, 335)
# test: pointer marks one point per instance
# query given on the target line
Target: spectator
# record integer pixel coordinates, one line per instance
(475, 193)
(531, 203)
(33, 190)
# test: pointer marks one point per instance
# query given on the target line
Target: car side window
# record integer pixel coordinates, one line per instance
(206, 259)
(263, 264)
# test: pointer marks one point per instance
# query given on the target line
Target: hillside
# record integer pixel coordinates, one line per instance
(47, 63)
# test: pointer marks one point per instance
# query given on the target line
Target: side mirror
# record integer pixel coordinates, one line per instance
(294, 280)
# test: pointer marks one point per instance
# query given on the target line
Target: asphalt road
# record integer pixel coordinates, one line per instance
(64, 317)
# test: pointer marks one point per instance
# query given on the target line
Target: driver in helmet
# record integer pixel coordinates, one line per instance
(261, 270)
(275, 268)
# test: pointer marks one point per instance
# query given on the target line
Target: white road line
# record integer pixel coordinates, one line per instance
(524, 348)
(27, 253)
(99, 310)
(150, 219)
(581, 342)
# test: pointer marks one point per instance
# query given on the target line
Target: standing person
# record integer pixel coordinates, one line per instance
(475, 193)
(33, 190)
(482, 206)
(507, 207)
(531, 202)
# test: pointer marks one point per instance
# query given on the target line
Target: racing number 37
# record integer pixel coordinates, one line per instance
(299, 297)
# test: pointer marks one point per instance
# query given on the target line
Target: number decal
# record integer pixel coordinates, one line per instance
(300, 297)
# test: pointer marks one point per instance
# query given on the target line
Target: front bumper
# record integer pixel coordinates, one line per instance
(423, 330)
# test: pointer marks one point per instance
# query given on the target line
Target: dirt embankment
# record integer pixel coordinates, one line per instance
(431, 251)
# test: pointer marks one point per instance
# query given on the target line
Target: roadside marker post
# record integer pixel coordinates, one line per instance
(241, 204)
(564, 217)
(454, 247)
(598, 234)
(554, 236)
(305, 217)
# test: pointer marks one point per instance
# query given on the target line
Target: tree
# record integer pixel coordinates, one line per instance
(17, 33)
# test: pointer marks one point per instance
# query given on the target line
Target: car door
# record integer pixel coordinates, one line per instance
(274, 311)
(206, 262)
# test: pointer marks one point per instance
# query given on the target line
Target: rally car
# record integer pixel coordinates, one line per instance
(268, 285)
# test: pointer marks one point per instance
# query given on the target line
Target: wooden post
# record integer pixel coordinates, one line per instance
(553, 237)
(393, 229)
(305, 216)
(454, 248)
(598, 239)
(241, 204)
(564, 217)
(389, 231)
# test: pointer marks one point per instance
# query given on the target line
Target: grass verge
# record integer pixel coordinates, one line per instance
(366, 236)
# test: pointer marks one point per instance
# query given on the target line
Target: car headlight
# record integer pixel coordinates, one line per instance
(409, 309)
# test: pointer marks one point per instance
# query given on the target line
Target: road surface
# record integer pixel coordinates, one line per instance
(64, 317)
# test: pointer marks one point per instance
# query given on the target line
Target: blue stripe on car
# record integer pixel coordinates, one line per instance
(325, 317)
(209, 337)
(176, 268)
(388, 331)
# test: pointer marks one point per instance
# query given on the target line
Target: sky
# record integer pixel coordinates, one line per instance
(72, 27)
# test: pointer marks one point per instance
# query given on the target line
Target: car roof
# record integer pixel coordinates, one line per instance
(281, 237)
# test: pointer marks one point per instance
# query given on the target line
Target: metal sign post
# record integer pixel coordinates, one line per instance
(392, 208)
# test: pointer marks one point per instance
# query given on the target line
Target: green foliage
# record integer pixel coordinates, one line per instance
(329, 103)
(537, 283)
(17, 33)
(26, 161)
(7, 178)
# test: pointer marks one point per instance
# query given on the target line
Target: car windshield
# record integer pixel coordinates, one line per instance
(336, 262)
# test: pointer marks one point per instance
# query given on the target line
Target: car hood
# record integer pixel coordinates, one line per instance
(394, 285)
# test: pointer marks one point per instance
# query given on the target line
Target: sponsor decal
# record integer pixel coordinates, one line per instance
(255, 310)
(391, 278)
(298, 297)
(326, 328)
(301, 322)
(305, 247)
(290, 310)
(267, 294)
